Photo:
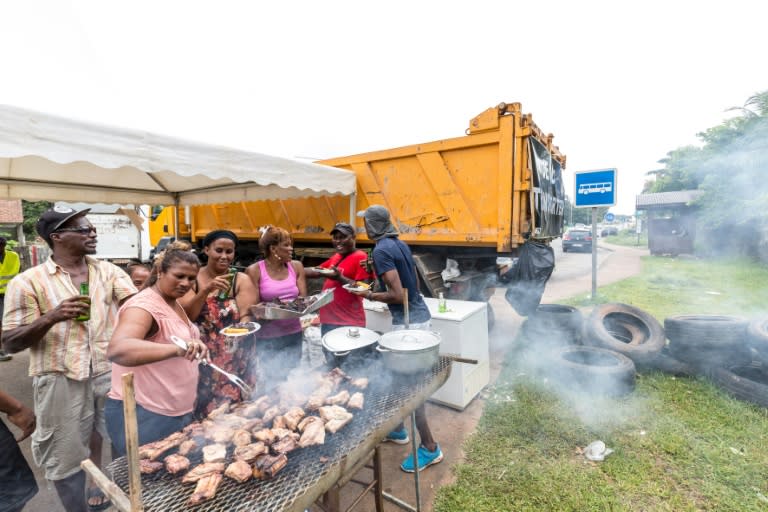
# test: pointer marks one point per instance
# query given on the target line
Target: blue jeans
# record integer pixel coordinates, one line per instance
(152, 426)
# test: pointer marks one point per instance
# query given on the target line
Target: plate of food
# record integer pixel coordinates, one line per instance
(280, 309)
(324, 271)
(359, 286)
(241, 329)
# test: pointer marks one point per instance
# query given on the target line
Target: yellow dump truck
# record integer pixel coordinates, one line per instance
(471, 199)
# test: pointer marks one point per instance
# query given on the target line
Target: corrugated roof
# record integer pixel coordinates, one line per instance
(676, 198)
(10, 212)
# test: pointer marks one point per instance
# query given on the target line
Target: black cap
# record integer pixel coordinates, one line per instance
(343, 228)
(54, 218)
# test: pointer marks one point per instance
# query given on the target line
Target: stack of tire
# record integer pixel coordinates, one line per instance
(553, 326)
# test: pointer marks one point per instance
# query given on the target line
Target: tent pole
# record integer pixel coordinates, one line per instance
(176, 217)
(352, 208)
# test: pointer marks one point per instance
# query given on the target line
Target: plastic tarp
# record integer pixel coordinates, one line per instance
(45, 157)
(548, 192)
(528, 277)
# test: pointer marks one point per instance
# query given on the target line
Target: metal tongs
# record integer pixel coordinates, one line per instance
(234, 379)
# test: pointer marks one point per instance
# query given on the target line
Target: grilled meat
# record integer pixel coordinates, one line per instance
(241, 437)
(337, 376)
(222, 409)
(318, 396)
(249, 410)
(239, 471)
(187, 447)
(147, 467)
(279, 422)
(220, 434)
(356, 401)
(214, 453)
(232, 421)
(293, 417)
(202, 470)
(267, 466)
(266, 436)
(335, 417)
(312, 432)
(154, 451)
(176, 463)
(249, 452)
(270, 414)
(360, 383)
(285, 444)
(205, 489)
(340, 398)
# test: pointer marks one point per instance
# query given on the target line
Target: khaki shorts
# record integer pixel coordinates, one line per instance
(67, 412)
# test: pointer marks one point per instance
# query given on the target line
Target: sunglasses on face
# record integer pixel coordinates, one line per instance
(85, 230)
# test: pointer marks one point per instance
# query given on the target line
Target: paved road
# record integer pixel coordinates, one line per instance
(572, 276)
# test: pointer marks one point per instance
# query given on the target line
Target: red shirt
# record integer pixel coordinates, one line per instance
(346, 308)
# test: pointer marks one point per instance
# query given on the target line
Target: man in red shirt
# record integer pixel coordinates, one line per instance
(346, 309)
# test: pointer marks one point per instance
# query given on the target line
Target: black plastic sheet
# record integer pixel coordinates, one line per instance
(528, 276)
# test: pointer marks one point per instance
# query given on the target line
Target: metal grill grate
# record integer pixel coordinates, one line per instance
(307, 468)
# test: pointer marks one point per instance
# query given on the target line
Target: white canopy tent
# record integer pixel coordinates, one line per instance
(45, 157)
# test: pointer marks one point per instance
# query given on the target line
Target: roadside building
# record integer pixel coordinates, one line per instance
(671, 220)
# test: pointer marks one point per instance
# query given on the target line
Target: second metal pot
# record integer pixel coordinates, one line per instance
(409, 351)
(347, 345)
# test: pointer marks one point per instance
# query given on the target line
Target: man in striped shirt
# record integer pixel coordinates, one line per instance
(68, 361)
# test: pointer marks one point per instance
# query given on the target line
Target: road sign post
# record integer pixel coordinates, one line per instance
(592, 189)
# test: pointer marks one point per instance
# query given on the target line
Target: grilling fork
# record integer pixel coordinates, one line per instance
(234, 379)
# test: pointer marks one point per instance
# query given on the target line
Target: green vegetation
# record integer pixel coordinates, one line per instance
(627, 237)
(680, 443)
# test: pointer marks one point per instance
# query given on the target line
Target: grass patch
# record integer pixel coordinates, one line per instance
(680, 443)
(628, 238)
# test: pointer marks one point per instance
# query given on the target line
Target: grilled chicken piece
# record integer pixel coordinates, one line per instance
(249, 452)
(267, 466)
(214, 453)
(270, 414)
(293, 417)
(241, 437)
(220, 434)
(335, 417)
(290, 397)
(285, 444)
(187, 447)
(360, 383)
(253, 424)
(160, 447)
(232, 421)
(318, 396)
(313, 432)
(194, 430)
(147, 467)
(340, 398)
(218, 411)
(279, 422)
(337, 376)
(202, 470)
(266, 436)
(239, 471)
(176, 463)
(248, 410)
(356, 401)
(205, 489)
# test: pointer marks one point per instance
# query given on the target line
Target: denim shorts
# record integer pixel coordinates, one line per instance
(152, 426)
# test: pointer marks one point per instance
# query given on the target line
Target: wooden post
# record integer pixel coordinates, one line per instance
(132, 443)
(118, 498)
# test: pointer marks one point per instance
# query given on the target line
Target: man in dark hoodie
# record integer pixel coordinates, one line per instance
(396, 271)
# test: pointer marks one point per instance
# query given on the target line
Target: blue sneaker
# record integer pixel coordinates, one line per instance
(398, 436)
(426, 458)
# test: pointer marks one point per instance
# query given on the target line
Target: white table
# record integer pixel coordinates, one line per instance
(464, 332)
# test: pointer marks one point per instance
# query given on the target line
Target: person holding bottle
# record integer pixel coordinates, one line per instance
(67, 358)
(221, 298)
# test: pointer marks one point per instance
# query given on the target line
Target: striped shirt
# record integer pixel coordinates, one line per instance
(76, 349)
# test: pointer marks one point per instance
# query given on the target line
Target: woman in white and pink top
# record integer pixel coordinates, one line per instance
(165, 376)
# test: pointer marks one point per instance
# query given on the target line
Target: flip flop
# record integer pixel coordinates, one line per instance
(95, 492)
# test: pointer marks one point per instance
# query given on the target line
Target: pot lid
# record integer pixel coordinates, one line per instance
(409, 339)
(349, 338)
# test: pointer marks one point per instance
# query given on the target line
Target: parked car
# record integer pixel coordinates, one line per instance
(609, 231)
(577, 239)
(161, 245)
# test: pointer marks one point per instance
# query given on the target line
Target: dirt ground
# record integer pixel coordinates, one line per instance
(450, 427)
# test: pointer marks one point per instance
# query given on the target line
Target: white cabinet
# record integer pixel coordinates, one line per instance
(464, 332)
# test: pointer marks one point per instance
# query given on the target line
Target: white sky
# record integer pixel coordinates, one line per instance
(619, 84)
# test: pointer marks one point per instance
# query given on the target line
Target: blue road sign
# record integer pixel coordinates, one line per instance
(609, 217)
(595, 188)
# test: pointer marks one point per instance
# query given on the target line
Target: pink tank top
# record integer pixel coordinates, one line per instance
(166, 387)
(271, 289)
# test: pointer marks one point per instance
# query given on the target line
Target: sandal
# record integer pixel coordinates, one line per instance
(95, 492)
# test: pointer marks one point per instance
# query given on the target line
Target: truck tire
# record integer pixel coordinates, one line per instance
(554, 321)
(745, 382)
(757, 337)
(596, 370)
(708, 341)
(625, 329)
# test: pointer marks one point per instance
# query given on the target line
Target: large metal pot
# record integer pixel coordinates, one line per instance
(409, 351)
(349, 345)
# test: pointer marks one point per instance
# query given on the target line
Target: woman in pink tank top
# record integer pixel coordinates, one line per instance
(278, 276)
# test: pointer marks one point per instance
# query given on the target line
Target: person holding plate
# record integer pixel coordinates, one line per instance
(219, 300)
(342, 272)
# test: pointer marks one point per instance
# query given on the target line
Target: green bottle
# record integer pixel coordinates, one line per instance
(223, 294)
(84, 317)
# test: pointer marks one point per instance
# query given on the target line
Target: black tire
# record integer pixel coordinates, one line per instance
(625, 329)
(707, 341)
(757, 337)
(745, 382)
(665, 362)
(554, 324)
(595, 370)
